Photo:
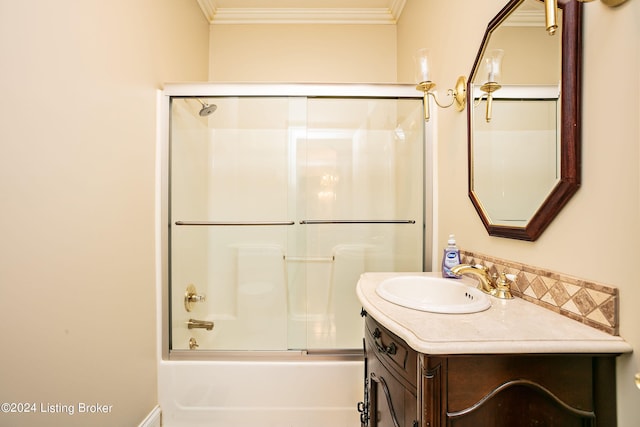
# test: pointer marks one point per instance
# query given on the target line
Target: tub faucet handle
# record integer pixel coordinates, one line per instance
(191, 297)
(197, 298)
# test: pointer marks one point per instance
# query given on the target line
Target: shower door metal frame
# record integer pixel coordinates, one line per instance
(209, 90)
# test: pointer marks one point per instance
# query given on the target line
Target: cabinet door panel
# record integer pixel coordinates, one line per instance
(387, 397)
(521, 405)
(392, 405)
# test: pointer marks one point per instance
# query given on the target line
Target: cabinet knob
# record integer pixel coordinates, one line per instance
(637, 378)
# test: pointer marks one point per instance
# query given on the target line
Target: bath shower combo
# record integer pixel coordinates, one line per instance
(270, 210)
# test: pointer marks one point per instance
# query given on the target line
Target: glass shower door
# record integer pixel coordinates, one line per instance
(230, 221)
(277, 205)
(360, 171)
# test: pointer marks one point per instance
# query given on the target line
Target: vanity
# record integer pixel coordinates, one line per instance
(513, 364)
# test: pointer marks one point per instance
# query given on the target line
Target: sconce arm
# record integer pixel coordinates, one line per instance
(478, 101)
(450, 92)
(458, 95)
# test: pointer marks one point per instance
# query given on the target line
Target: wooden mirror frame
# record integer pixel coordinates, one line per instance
(570, 124)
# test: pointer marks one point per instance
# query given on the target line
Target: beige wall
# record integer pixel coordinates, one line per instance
(596, 236)
(317, 53)
(77, 150)
(78, 85)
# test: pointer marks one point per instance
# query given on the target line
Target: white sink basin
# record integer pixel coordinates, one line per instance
(433, 294)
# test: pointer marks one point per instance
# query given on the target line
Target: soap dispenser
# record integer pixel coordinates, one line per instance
(451, 258)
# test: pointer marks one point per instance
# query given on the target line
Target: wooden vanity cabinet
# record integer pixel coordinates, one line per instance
(410, 389)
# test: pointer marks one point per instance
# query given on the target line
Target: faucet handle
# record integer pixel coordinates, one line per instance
(503, 287)
(483, 268)
(196, 298)
(191, 297)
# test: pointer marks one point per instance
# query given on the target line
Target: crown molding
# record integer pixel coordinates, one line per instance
(396, 8)
(217, 15)
(208, 8)
(302, 16)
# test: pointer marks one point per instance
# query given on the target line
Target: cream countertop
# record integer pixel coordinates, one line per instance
(509, 326)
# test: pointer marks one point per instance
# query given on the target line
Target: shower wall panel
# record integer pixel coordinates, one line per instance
(278, 204)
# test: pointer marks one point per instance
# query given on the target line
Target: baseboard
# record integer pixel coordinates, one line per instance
(153, 419)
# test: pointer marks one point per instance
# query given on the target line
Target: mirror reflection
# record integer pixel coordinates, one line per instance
(515, 120)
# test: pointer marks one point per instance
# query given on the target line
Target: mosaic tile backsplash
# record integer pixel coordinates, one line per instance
(591, 303)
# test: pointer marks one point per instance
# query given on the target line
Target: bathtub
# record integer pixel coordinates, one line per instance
(260, 393)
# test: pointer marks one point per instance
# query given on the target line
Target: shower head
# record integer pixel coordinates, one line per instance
(207, 109)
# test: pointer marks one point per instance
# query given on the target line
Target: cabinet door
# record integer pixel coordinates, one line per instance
(391, 403)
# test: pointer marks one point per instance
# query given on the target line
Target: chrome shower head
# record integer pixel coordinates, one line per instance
(207, 109)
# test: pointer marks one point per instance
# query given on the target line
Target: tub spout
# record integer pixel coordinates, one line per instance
(202, 324)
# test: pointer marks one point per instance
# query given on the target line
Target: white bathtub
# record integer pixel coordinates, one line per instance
(265, 394)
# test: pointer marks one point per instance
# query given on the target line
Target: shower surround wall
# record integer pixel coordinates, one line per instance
(279, 200)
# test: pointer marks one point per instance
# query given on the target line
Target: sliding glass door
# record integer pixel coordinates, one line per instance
(277, 205)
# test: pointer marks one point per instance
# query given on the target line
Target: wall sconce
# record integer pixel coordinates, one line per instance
(493, 69)
(423, 76)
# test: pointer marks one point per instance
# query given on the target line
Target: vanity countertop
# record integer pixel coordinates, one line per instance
(509, 326)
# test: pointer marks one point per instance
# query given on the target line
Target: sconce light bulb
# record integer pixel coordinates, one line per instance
(493, 65)
(422, 66)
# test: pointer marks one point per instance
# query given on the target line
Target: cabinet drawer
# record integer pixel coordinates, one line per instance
(392, 351)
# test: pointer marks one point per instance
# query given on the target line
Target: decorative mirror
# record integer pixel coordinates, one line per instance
(524, 119)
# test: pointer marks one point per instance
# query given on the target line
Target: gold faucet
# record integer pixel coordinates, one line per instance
(500, 288)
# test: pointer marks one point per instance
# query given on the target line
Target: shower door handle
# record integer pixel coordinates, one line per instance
(357, 221)
(227, 223)
(303, 222)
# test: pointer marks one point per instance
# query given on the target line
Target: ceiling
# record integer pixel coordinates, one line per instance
(302, 11)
